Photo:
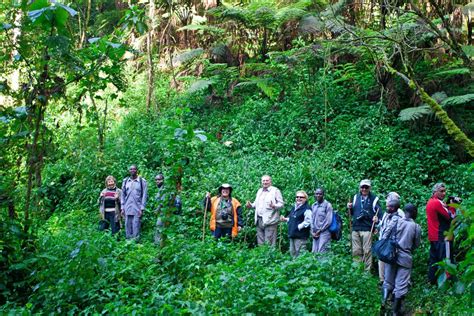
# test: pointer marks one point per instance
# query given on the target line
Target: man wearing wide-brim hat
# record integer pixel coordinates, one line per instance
(226, 213)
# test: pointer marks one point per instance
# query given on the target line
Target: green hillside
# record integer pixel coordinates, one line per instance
(316, 113)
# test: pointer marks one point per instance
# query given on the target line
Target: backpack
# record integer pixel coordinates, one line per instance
(336, 226)
(124, 186)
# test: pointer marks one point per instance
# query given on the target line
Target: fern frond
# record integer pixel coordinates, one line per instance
(265, 85)
(199, 85)
(439, 96)
(468, 50)
(289, 14)
(187, 56)
(202, 28)
(412, 114)
(233, 13)
(458, 100)
(219, 50)
(245, 84)
(452, 72)
(311, 25)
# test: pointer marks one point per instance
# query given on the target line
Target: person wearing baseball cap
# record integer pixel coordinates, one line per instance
(226, 212)
(363, 210)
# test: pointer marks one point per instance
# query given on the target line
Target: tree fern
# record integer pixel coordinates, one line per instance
(439, 96)
(187, 56)
(452, 72)
(199, 85)
(311, 25)
(265, 85)
(414, 113)
(202, 28)
(457, 100)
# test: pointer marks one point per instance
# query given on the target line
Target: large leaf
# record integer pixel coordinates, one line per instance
(439, 96)
(468, 50)
(311, 25)
(452, 72)
(265, 85)
(202, 28)
(199, 85)
(412, 114)
(458, 100)
(187, 56)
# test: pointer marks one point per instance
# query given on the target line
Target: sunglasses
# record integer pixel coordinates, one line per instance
(364, 187)
(301, 197)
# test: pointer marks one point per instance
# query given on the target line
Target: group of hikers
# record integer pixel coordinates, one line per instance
(304, 221)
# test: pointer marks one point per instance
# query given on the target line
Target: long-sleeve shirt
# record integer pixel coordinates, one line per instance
(321, 217)
(438, 217)
(262, 207)
(385, 219)
(299, 221)
(134, 195)
(408, 236)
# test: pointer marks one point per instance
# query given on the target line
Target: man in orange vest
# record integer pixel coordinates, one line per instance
(226, 212)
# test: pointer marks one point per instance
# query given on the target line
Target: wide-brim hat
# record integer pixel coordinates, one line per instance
(225, 186)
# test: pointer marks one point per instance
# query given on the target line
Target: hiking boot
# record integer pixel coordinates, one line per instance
(397, 306)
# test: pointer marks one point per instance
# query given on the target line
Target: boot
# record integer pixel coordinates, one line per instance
(385, 295)
(397, 306)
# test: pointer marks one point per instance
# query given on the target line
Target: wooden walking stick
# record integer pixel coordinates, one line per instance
(371, 232)
(279, 241)
(204, 218)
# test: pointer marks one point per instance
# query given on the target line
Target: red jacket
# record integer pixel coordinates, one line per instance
(438, 217)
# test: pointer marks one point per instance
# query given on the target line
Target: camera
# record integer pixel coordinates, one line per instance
(362, 215)
(454, 200)
(224, 215)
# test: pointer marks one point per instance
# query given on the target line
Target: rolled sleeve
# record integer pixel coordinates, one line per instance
(307, 220)
(278, 200)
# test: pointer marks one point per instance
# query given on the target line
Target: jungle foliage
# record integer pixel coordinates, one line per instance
(315, 93)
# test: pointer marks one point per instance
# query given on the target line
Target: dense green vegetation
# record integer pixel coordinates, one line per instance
(312, 93)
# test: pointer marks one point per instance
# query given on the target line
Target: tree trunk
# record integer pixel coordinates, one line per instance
(151, 67)
(439, 112)
(83, 38)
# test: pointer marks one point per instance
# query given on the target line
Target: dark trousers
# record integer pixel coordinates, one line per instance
(222, 232)
(111, 223)
(437, 254)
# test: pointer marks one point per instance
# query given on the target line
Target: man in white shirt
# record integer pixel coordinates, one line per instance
(267, 204)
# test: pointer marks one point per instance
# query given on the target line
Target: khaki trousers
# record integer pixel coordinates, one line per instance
(297, 246)
(361, 248)
(266, 233)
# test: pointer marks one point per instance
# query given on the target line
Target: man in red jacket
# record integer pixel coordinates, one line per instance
(439, 220)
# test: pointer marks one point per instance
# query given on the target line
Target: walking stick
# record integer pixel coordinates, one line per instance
(279, 241)
(350, 224)
(371, 232)
(204, 219)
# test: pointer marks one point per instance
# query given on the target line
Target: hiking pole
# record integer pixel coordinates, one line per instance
(372, 228)
(371, 232)
(279, 240)
(204, 219)
(350, 224)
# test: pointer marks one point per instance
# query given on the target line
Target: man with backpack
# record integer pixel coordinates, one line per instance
(133, 202)
(321, 219)
(363, 210)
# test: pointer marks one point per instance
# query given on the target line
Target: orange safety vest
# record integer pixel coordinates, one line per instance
(214, 203)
